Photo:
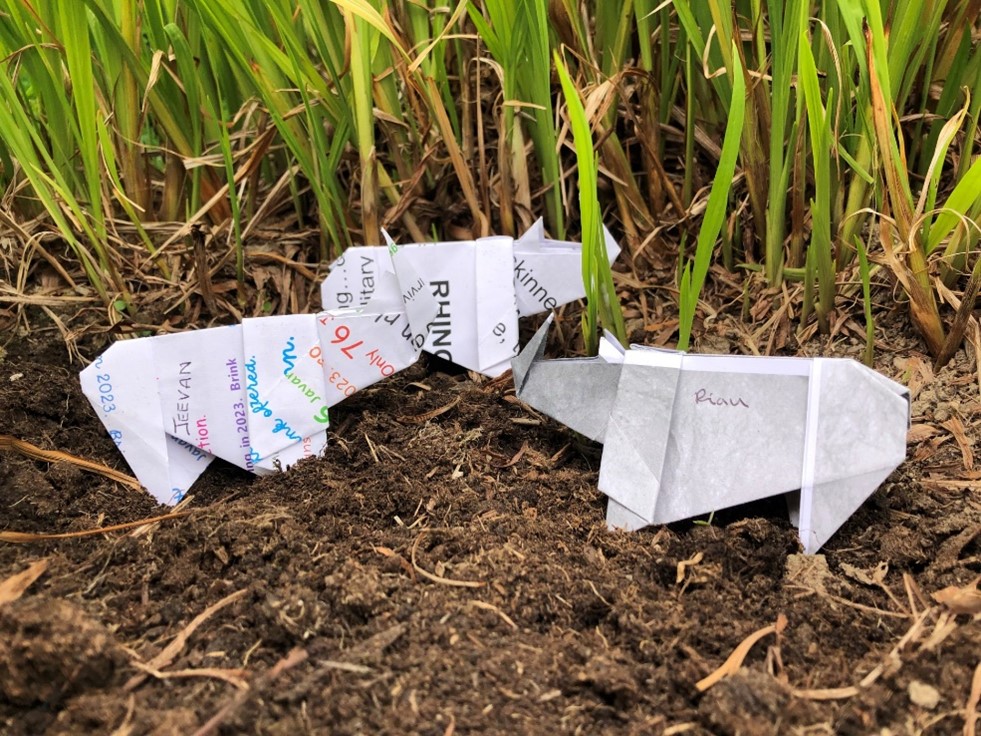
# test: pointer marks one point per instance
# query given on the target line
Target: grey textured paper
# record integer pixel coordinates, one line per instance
(685, 435)
(590, 387)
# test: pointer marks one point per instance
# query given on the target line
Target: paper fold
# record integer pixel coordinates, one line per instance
(480, 288)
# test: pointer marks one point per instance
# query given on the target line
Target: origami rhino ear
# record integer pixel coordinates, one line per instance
(535, 232)
(533, 351)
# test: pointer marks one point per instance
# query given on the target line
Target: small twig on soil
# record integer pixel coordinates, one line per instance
(126, 727)
(25, 537)
(913, 594)
(955, 426)
(503, 381)
(597, 593)
(826, 693)
(205, 287)
(976, 342)
(403, 563)
(966, 599)
(376, 644)
(55, 456)
(423, 418)
(371, 447)
(234, 677)
(451, 727)
(13, 587)
(169, 653)
(438, 578)
(877, 579)
(735, 660)
(685, 564)
(295, 657)
(514, 458)
(179, 508)
(370, 648)
(491, 607)
(680, 728)
(891, 660)
(971, 714)
(852, 604)
(333, 664)
(945, 626)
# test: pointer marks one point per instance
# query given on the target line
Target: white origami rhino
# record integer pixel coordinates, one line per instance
(685, 435)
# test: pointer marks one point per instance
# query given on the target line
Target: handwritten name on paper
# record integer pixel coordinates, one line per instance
(702, 396)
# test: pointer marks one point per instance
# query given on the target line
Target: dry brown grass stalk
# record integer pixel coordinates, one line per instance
(55, 456)
(16, 585)
(29, 537)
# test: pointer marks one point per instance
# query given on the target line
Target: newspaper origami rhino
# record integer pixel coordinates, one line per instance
(255, 394)
(481, 287)
(685, 435)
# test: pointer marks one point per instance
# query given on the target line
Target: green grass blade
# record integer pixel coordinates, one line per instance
(820, 135)
(693, 278)
(785, 30)
(601, 295)
(958, 205)
(74, 31)
(865, 275)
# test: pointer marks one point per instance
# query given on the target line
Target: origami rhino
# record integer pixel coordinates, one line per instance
(685, 435)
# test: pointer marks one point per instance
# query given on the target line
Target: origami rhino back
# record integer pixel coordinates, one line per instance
(686, 435)
(255, 394)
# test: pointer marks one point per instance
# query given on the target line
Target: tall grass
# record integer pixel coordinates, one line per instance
(125, 122)
(602, 307)
(693, 274)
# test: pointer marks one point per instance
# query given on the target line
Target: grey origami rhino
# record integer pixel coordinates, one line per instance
(685, 435)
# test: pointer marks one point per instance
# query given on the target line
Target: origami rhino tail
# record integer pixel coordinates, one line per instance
(578, 392)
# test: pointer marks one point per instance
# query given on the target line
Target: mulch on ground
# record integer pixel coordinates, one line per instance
(446, 572)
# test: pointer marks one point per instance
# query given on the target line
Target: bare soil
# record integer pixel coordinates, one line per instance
(450, 572)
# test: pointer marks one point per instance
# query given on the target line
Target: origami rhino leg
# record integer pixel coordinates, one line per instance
(620, 517)
(856, 439)
(833, 503)
(579, 393)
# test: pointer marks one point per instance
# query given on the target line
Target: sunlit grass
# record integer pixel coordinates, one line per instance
(859, 128)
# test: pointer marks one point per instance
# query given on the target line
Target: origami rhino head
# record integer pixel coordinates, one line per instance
(481, 288)
(685, 435)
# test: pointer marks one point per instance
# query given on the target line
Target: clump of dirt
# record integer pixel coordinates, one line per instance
(51, 651)
(454, 574)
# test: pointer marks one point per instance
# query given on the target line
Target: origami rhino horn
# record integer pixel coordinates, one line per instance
(578, 392)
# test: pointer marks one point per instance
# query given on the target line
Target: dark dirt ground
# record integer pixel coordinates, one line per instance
(566, 627)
